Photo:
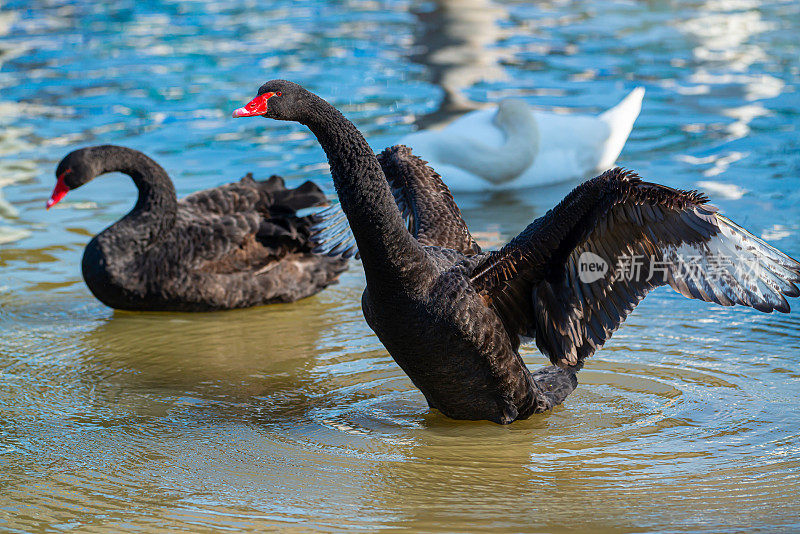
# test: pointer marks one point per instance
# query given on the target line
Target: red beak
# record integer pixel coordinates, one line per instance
(59, 192)
(257, 106)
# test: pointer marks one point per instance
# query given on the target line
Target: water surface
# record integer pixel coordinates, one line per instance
(294, 416)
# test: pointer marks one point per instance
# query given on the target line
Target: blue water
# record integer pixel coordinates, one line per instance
(295, 416)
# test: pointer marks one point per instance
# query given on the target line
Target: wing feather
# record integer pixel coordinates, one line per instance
(423, 199)
(648, 235)
(242, 226)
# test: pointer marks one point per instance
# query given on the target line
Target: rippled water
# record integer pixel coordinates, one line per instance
(294, 416)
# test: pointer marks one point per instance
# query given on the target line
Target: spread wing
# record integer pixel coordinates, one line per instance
(423, 199)
(551, 282)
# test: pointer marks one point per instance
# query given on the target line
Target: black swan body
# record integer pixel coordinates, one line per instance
(452, 316)
(233, 246)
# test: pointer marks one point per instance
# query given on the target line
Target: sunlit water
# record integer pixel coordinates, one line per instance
(294, 416)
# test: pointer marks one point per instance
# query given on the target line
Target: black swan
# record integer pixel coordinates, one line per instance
(453, 319)
(233, 246)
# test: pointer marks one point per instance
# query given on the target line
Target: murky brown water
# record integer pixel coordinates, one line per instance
(295, 414)
(294, 417)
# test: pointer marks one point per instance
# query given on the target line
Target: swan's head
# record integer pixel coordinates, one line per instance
(514, 115)
(74, 170)
(277, 99)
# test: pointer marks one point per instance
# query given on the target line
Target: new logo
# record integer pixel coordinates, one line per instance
(591, 267)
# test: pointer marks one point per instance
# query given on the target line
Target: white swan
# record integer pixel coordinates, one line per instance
(513, 146)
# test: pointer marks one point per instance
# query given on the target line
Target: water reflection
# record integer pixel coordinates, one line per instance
(12, 141)
(726, 36)
(228, 353)
(506, 213)
(558, 470)
(457, 42)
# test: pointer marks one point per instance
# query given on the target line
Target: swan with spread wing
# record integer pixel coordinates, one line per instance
(452, 316)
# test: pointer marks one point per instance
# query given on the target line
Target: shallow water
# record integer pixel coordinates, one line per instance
(294, 416)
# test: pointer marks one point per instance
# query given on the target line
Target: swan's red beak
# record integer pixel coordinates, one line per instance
(257, 106)
(59, 192)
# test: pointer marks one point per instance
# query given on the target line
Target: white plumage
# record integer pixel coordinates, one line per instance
(513, 146)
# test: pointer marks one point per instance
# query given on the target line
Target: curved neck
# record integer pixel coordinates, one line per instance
(388, 251)
(157, 206)
(506, 162)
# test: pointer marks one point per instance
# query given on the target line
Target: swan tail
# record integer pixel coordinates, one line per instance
(620, 121)
(279, 196)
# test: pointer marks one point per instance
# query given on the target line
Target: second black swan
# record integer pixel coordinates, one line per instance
(233, 246)
(453, 318)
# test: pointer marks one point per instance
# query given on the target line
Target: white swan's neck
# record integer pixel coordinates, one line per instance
(496, 164)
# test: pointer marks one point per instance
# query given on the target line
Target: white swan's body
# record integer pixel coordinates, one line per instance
(513, 146)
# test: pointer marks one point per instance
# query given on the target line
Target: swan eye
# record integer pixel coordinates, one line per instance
(278, 93)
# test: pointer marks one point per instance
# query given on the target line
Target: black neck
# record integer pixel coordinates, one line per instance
(156, 208)
(388, 251)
